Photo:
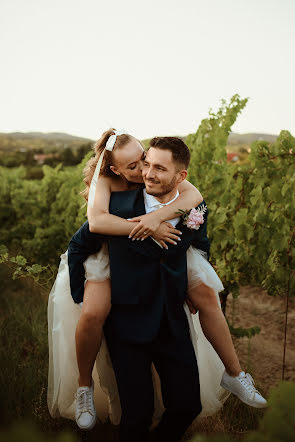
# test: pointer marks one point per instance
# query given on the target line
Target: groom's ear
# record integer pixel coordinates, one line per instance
(182, 174)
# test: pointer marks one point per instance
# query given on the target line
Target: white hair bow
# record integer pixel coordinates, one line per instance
(112, 139)
(109, 146)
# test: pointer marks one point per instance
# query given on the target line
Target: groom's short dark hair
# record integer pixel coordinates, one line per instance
(180, 152)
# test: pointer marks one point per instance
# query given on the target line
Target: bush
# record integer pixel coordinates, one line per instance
(277, 424)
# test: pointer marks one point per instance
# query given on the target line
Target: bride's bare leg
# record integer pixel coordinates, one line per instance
(95, 309)
(215, 327)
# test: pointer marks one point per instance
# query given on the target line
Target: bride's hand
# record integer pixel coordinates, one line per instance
(167, 233)
(191, 306)
(147, 225)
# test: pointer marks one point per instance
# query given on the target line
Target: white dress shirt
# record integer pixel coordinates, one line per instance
(152, 204)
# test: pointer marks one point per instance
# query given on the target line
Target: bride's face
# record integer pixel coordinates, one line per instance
(128, 161)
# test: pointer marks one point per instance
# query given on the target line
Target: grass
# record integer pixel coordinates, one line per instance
(23, 349)
(24, 365)
(235, 419)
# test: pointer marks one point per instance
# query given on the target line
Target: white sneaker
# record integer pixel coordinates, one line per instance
(85, 410)
(243, 387)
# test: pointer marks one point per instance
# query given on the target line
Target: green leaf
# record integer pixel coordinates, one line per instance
(240, 332)
(285, 188)
(35, 268)
(19, 260)
(3, 249)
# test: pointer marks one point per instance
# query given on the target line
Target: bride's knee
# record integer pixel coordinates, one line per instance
(94, 316)
(97, 302)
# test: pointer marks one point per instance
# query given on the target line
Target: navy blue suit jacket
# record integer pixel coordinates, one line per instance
(145, 278)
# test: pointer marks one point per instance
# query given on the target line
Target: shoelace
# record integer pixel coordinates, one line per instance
(84, 402)
(248, 382)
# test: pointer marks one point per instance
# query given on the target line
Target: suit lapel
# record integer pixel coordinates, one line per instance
(145, 246)
(139, 206)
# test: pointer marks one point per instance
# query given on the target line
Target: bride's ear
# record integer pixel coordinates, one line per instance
(114, 170)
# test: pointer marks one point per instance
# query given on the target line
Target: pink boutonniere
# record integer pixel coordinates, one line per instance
(193, 218)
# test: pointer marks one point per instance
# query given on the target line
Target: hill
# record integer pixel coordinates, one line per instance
(235, 138)
(47, 142)
(55, 141)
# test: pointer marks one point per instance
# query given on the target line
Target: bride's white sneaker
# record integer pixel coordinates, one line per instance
(85, 410)
(243, 387)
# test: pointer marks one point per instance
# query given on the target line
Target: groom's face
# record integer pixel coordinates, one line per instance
(159, 172)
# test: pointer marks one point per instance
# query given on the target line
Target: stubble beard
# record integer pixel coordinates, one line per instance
(166, 188)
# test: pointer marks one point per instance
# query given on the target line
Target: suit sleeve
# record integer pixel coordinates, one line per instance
(82, 244)
(200, 239)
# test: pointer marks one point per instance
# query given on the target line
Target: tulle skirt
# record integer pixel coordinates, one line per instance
(63, 316)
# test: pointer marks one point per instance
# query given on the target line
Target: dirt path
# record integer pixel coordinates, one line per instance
(255, 307)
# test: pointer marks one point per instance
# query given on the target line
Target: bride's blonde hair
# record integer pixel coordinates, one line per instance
(98, 148)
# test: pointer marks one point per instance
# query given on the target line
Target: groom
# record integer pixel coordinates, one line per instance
(147, 323)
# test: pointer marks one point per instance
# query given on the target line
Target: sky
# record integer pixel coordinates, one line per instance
(152, 67)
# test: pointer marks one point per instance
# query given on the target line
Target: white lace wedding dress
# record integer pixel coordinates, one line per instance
(63, 315)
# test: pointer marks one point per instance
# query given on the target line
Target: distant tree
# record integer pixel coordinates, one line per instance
(11, 159)
(53, 161)
(82, 151)
(39, 150)
(67, 157)
(29, 158)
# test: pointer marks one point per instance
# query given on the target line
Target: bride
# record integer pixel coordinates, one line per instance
(80, 363)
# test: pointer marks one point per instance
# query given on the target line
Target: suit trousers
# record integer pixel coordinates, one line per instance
(175, 362)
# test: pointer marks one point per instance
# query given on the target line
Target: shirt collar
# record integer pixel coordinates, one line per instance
(151, 201)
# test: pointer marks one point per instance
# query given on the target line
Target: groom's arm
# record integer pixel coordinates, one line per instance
(82, 244)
